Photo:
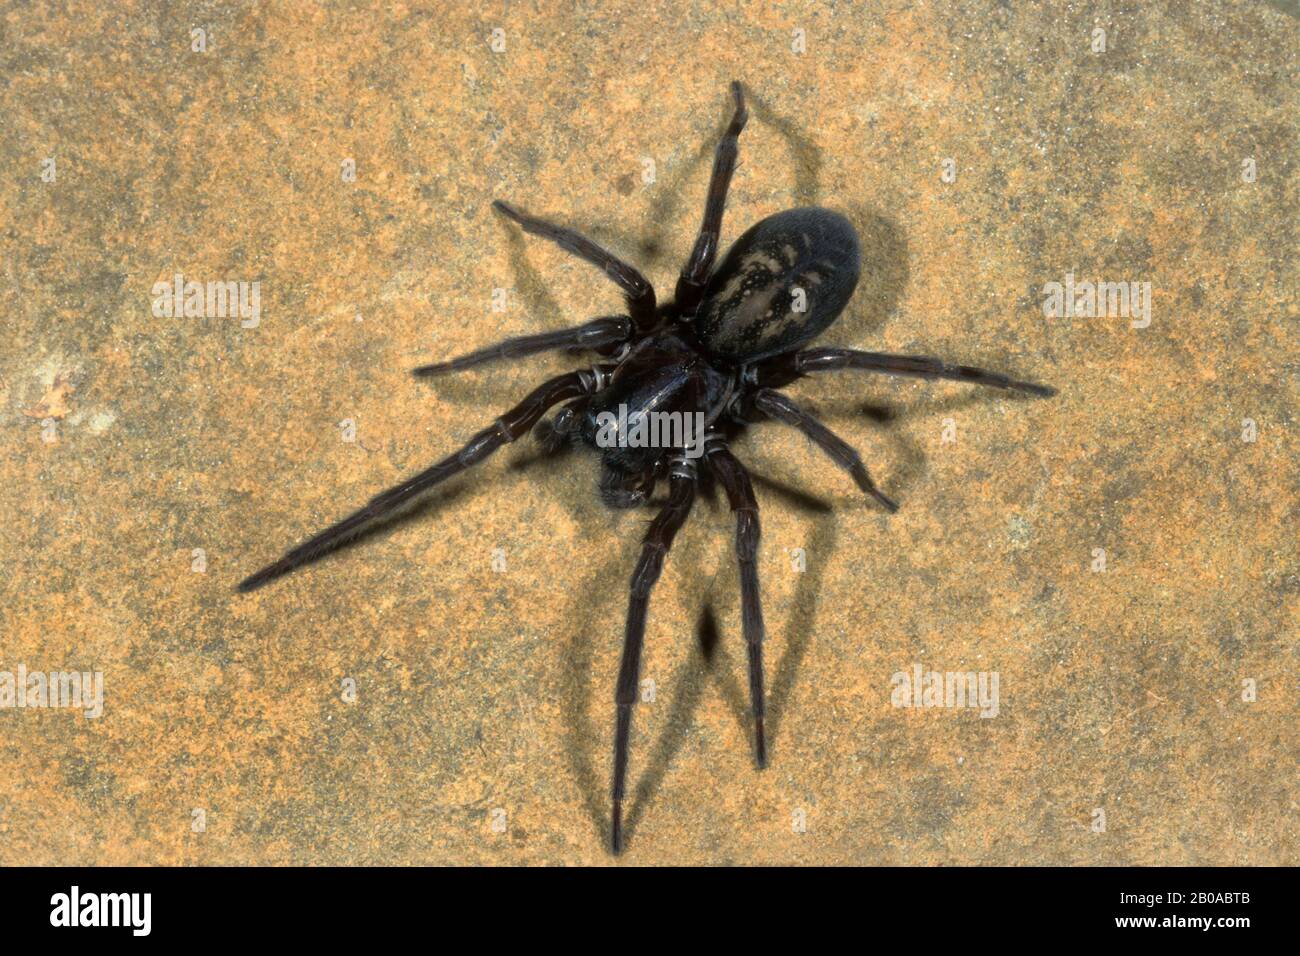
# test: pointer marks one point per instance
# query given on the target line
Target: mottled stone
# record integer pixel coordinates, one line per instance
(128, 441)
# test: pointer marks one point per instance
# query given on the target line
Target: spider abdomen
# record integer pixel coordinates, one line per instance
(780, 285)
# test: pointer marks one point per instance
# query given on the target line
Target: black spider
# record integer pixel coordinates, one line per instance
(729, 339)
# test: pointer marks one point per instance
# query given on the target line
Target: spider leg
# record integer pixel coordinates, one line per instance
(779, 406)
(620, 491)
(387, 504)
(658, 539)
(589, 335)
(638, 291)
(554, 434)
(734, 478)
(695, 274)
(818, 360)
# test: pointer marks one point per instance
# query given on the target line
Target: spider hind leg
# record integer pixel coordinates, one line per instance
(654, 548)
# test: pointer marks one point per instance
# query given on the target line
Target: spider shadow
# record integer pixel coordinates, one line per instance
(530, 287)
(821, 546)
(651, 246)
(805, 155)
(715, 656)
(529, 284)
(907, 458)
(885, 268)
(884, 247)
(885, 273)
(911, 457)
(666, 205)
(578, 657)
(579, 497)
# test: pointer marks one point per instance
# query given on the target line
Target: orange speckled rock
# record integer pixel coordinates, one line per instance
(1122, 556)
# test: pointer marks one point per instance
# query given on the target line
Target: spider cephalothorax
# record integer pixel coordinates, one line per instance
(716, 355)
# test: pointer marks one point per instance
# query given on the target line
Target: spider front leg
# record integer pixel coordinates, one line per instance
(776, 405)
(637, 290)
(383, 506)
(695, 275)
(818, 360)
(658, 539)
(595, 334)
(560, 430)
(734, 478)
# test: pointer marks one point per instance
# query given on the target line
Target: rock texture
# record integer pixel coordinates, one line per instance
(1147, 711)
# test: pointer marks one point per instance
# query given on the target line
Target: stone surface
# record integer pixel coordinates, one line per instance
(128, 441)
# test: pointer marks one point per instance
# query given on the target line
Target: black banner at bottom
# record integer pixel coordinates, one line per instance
(935, 907)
